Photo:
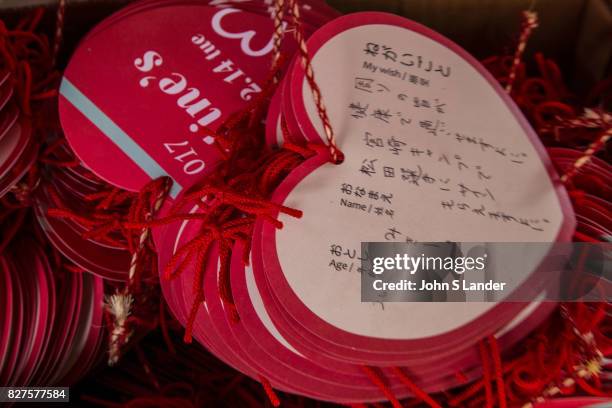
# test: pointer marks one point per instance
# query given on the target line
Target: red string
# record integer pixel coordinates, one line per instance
(486, 372)
(269, 391)
(529, 22)
(499, 376)
(415, 389)
(233, 198)
(279, 32)
(380, 383)
(336, 154)
(24, 73)
(591, 151)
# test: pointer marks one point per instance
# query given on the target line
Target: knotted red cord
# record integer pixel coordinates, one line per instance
(228, 217)
(232, 198)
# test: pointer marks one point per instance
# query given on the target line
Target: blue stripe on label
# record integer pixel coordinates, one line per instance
(121, 139)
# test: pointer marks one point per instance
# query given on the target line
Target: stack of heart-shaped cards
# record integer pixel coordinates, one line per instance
(71, 187)
(434, 151)
(17, 153)
(51, 327)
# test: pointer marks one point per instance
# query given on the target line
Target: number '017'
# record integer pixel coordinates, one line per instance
(183, 153)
